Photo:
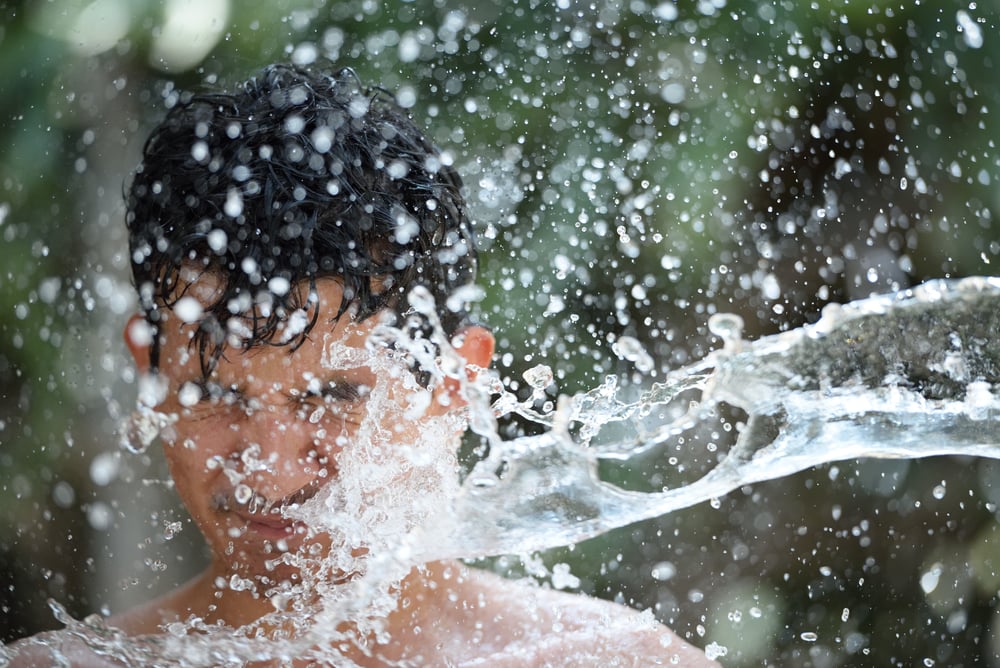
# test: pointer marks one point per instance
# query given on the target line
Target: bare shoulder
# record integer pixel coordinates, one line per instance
(545, 627)
(150, 617)
(54, 648)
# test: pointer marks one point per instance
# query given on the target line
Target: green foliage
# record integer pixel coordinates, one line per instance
(633, 168)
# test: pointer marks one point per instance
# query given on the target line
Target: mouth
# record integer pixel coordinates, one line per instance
(266, 517)
(271, 527)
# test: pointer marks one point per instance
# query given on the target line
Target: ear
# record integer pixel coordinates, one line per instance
(475, 345)
(138, 338)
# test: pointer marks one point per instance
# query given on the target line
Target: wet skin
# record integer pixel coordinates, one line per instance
(264, 432)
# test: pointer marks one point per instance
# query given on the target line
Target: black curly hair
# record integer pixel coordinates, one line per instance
(296, 176)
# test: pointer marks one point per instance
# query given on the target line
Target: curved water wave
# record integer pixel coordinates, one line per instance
(905, 375)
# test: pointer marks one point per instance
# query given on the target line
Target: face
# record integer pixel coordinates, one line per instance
(272, 428)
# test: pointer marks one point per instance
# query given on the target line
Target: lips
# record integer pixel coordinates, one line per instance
(264, 516)
(271, 526)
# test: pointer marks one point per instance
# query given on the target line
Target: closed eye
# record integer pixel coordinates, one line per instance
(343, 391)
(215, 392)
(200, 395)
(342, 399)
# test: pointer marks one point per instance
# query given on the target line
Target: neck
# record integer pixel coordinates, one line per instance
(202, 598)
(423, 615)
(420, 602)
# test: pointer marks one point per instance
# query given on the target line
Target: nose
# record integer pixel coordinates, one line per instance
(277, 455)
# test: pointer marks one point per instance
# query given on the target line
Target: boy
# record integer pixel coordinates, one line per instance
(286, 243)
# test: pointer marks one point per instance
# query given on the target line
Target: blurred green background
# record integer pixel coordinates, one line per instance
(633, 168)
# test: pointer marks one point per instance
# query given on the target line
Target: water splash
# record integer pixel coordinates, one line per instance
(906, 375)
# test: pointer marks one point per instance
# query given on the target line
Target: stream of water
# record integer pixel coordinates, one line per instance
(905, 375)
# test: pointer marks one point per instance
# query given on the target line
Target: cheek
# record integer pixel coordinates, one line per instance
(332, 430)
(187, 469)
(193, 446)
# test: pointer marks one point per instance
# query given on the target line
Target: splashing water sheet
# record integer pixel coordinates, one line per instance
(905, 375)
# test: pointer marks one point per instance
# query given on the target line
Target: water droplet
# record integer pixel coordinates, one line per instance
(971, 32)
(562, 578)
(217, 240)
(188, 309)
(726, 326)
(242, 494)
(199, 151)
(234, 203)
(279, 286)
(104, 468)
(929, 580)
(663, 571)
(171, 529)
(714, 650)
(63, 494)
(189, 394)
(99, 515)
(538, 377)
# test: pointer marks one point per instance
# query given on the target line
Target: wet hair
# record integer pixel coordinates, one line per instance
(297, 176)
